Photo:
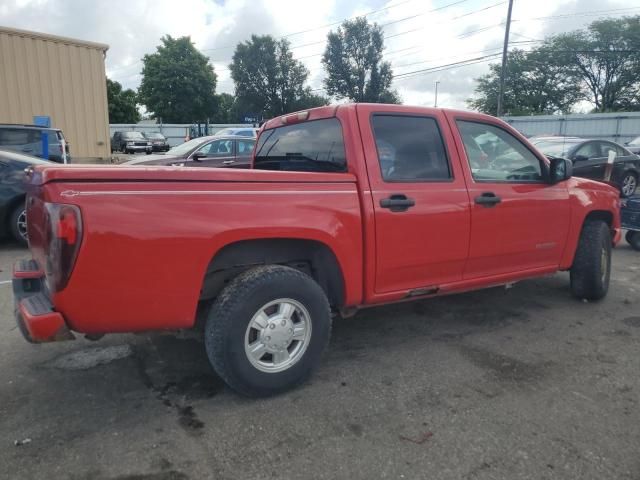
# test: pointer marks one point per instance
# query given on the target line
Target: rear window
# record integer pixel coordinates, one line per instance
(315, 146)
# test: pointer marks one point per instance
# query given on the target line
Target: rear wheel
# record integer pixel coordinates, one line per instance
(591, 267)
(18, 224)
(633, 239)
(629, 184)
(267, 330)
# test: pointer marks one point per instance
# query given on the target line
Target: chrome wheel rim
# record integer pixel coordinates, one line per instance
(629, 185)
(21, 224)
(278, 335)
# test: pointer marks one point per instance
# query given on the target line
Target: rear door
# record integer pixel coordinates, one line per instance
(519, 222)
(244, 152)
(420, 201)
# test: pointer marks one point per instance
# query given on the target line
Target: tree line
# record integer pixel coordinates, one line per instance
(599, 64)
(179, 84)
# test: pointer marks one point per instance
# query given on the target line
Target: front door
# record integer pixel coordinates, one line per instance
(589, 161)
(217, 153)
(519, 222)
(420, 201)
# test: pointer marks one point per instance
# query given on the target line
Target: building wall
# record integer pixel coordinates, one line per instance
(59, 77)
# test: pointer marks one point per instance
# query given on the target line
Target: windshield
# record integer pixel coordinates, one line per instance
(556, 149)
(186, 147)
(133, 135)
(155, 136)
(635, 142)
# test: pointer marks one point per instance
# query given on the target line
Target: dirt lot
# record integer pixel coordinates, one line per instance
(524, 383)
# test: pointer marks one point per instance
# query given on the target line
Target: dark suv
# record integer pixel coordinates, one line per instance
(130, 142)
(159, 142)
(30, 140)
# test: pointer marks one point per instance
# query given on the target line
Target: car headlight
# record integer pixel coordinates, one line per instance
(148, 144)
(129, 143)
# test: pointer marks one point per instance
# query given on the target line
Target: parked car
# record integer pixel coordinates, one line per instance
(630, 214)
(28, 139)
(240, 132)
(262, 259)
(13, 217)
(209, 151)
(634, 146)
(590, 158)
(130, 142)
(159, 142)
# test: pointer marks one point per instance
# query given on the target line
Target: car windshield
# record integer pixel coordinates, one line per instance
(555, 148)
(155, 136)
(635, 142)
(133, 135)
(186, 147)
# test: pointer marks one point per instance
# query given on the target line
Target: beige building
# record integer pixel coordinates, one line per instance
(60, 77)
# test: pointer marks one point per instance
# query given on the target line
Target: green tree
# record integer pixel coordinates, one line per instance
(178, 83)
(606, 58)
(354, 65)
(225, 109)
(122, 104)
(268, 80)
(534, 85)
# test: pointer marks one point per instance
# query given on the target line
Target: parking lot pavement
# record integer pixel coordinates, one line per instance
(495, 384)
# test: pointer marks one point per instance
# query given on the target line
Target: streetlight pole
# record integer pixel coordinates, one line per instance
(435, 104)
(503, 70)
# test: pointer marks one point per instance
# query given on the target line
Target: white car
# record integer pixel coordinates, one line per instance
(241, 132)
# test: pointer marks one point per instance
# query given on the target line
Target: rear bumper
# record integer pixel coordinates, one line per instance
(35, 316)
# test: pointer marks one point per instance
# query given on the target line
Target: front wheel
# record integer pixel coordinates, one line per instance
(591, 267)
(629, 185)
(633, 239)
(267, 330)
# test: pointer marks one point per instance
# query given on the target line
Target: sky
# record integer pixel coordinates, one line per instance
(419, 34)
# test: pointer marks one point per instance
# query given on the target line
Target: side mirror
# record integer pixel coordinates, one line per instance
(580, 158)
(197, 156)
(560, 169)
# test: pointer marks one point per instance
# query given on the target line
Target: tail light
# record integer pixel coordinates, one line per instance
(61, 243)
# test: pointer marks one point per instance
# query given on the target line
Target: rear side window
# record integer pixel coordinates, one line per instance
(18, 136)
(410, 149)
(315, 146)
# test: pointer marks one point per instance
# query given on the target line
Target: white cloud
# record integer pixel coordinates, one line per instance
(428, 39)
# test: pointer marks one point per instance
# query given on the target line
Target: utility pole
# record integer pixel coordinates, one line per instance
(435, 104)
(503, 70)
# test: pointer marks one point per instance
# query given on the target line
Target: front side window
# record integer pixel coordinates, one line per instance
(410, 149)
(219, 148)
(589, 150)
(496, 155)
(314, 146)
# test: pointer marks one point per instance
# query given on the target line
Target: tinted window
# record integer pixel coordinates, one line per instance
(410, 148)
(18, 136)
(133, 135)
(496, 155)
(219, 148)
(315, 146)
(589, 150)
(245, 147)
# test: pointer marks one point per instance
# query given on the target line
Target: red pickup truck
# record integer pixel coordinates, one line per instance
(347, 206)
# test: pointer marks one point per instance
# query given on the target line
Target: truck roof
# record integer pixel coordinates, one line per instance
(331, 111)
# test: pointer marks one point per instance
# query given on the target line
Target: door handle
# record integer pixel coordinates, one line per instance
(228, 162)
(397, 203)
(488, 199)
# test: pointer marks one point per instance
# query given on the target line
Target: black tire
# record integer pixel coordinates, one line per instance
(148, 152)
(591, 267)
(631, 179)
(235, 308)
(633, 239)
(18, 233)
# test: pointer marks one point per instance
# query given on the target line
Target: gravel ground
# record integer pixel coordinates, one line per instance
(495, 384)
